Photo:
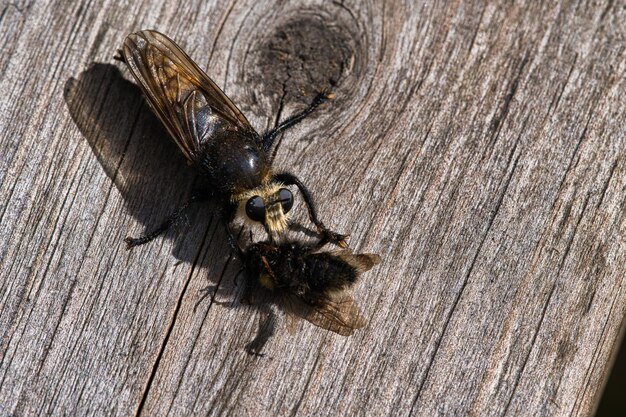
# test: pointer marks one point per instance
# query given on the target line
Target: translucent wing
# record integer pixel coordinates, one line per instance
(194, 109)
(340, 315)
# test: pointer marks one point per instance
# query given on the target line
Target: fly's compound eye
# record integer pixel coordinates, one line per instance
(255, 208)
(286, 199)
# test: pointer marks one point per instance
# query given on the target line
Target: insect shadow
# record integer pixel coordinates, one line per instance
(146, 167)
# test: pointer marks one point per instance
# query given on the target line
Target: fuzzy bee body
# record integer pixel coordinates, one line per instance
(294, 267)
(311, 284)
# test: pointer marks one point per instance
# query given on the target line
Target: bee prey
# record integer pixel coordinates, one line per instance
(307, 283)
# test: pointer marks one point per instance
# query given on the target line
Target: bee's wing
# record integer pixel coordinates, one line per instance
(187, 101)
(340, 315)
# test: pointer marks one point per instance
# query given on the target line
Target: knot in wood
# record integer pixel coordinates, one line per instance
(303, 56)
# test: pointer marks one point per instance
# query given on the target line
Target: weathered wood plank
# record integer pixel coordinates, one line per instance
(479, 148)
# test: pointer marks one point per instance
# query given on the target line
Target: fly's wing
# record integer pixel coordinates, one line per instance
(187, 101)
(340, 315)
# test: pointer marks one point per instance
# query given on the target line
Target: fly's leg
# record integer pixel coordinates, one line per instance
(229, 211)
(268, 137)
(327, 235)
(167, 223)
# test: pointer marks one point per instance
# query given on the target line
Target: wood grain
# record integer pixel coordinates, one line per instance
(478, 147)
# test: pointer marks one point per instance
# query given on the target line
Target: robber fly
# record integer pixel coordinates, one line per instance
(309, 284)
(216, 138)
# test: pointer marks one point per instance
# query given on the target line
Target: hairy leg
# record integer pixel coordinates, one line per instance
(167, 223)
(327, 235)
(228, 212)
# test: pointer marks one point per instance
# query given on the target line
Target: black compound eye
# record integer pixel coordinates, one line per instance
(286, 199)
(255, 208)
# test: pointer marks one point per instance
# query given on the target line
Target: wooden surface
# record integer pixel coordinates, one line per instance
(479, 148)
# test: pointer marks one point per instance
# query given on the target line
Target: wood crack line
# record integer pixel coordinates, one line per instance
(206, 313)
(465, 280)
(545, 307)
(87, 246)
(532, 343)
(170, 328)
(232, 46)
(220, 29)
(594, 358)
(308, 383)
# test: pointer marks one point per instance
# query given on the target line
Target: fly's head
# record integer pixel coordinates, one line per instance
(268, 204)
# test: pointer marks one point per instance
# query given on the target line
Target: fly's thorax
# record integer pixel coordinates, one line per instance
(275, 218)
(235, 161)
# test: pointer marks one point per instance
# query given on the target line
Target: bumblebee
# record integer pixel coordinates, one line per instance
(308, 283)
(216, 138)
